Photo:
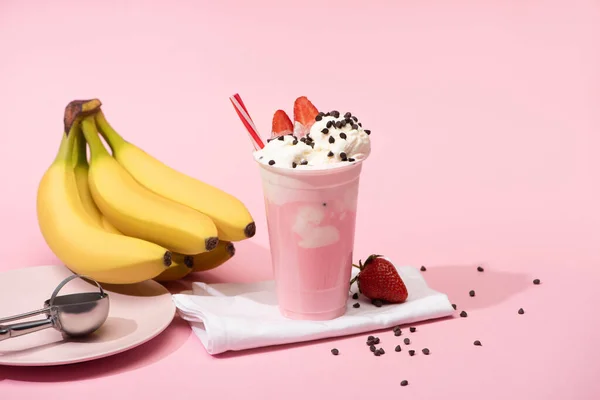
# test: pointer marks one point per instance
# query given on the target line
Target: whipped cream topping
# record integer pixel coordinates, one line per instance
(332, 139)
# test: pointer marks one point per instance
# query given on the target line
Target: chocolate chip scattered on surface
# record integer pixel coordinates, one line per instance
(335, 352)
(271, 162)
(372, 348)
(398, 332)
(398, 349)
(412, 329)
(521, 311)
(330, 154)
(377, 302)
(480, 268)
(411, 352)
(454, 306)
(404, 383)
(356, 305)
(426, 351)
(536, 281)
(423, 268)
(477, 343)
(355, 297)
(463, 314)
(472, 293)
(407, 341)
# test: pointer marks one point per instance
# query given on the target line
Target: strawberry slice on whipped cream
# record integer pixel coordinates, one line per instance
(304, 116)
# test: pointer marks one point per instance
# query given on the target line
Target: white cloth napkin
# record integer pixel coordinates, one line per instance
(238, 316)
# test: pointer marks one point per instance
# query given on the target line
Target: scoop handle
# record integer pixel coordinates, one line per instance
(24, 328)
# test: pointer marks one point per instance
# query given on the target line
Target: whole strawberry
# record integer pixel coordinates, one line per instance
(379, 280)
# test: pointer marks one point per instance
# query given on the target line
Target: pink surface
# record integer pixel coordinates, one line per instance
(311, 222)
(485, 126)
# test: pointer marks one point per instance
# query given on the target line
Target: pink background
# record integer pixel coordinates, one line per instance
(485, 141)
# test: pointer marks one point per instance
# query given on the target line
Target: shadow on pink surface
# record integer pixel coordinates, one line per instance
(156, 349)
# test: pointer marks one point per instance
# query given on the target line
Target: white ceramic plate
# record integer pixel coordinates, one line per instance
(137, 314)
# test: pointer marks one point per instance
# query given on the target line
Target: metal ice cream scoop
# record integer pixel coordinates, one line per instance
(77, 314)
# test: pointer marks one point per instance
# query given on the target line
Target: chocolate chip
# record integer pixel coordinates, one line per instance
(339, 124)
(343, 156)
(376, 340)
(398, 332)
(348, 121)
(406, 341)
(335, 352)
(371, 338)
(271, 162)
(411, 352)
(404, 383)
(343, 135)
(331, 139)
(472, 293)
(269, 140)
(348, 114)
(325, 130)
(396, 328)
(480, 268)
(335, 114)
(354, 126)
(477, 343)
(425, 351)
(368, 132)
(377, 353)
(372, 348)
(454, 306)
(536, 282)
(355, 296)
(295, 142)
(356, 305)
(329, 124)
(354, 118)
(398, 349)
(381, 351)
(304, 162)
(359, 124)
(351, 159)
(463, 314)
(521, 311)
(423, 268)
(281, 138)
(327, 114)
(412, 329)
(303, 140)
(321, 114)
(318, 117)
(377, 302)
(330, 154)
(294, 165)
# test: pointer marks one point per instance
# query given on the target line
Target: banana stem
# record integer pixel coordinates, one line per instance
(108, 133)
(67, 144)
(91, 136)
(80, 147)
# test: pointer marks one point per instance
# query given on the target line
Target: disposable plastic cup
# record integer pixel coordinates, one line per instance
(311, 218)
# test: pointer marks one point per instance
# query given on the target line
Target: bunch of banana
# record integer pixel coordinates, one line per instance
(127, 217)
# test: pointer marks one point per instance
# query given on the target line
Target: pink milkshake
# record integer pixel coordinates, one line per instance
(310, 183)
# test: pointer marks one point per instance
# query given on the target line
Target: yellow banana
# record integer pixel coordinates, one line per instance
(179, 261)
(200, 262)
(72, 234)
(136, 211)
(230, 215)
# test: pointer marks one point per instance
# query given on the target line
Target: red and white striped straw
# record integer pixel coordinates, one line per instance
(242, 112)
